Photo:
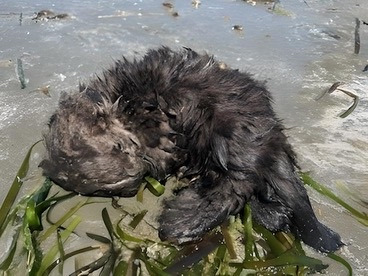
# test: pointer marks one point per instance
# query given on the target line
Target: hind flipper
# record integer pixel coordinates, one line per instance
(272, 215)
(312, 232)
(292, 193)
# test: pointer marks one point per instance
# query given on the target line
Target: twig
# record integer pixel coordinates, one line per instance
(330, 90)
(353, 106)
(357, 36)
(20, 73)
(334, 87)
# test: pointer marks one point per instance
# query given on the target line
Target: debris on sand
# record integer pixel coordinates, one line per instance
(196, 3)
(357, 36)
(237, 27)
(332, 88)
(170, 7)
(335, 87)
(49, 15)
(346, 113)
(44, 90)
(6, 63)
(20, 73)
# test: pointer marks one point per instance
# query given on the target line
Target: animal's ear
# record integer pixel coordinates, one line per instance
(64, 96)
(93, 95)
(82, 87)
(220, 151)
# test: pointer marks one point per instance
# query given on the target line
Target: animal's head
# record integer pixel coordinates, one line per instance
(90, 150)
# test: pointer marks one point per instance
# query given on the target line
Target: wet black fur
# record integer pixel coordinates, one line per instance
(181, 111)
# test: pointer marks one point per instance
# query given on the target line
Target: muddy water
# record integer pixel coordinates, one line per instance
(300, 48)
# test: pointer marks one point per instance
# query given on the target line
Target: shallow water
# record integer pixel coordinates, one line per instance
(300, 49)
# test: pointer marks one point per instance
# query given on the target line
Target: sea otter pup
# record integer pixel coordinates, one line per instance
(173, 112)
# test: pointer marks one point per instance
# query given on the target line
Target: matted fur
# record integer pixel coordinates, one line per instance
(181, 111)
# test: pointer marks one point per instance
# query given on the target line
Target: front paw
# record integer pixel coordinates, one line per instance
(189, 215)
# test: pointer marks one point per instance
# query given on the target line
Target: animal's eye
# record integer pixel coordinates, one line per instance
(117, 148)
(120, 146)
(150, 108)
(136, 143)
